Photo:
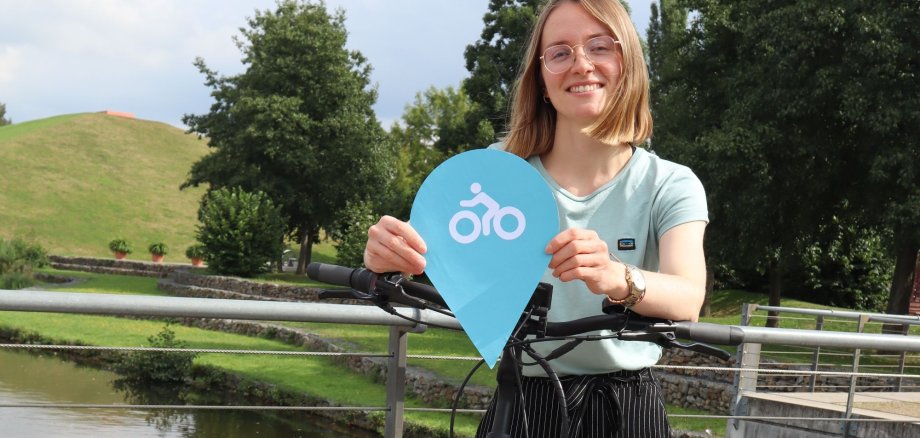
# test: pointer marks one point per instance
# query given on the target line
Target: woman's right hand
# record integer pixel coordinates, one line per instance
(394, 246)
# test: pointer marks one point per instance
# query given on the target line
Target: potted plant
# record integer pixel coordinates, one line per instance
(196, 253)
(157, 251)
(120, 247)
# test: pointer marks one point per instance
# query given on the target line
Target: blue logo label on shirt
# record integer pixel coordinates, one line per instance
(486, 217)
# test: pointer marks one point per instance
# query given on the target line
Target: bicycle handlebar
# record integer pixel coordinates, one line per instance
(365, 280)
(634, 326)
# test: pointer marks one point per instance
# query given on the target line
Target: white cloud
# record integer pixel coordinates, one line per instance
(9, 63)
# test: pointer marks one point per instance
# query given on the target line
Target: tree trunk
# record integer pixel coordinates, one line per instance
(902, 282)
(706, 310)
(306, 250)
(776, 290)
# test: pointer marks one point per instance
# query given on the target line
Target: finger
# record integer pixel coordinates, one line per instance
(382, 258)
(569, 235)
(591, 260)
(404, 230)
(577, 247)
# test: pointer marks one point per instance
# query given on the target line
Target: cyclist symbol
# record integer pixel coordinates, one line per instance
(492, 218)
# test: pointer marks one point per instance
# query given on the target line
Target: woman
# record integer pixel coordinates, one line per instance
(633, 223)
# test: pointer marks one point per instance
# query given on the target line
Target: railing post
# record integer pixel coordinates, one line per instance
(748, 360)
(847, 425)
(396, 382)
(905, 330)
(816, 357)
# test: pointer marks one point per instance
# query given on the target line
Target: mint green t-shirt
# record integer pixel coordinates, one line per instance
(631, 212)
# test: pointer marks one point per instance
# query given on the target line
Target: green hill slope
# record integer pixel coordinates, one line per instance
(72, 183)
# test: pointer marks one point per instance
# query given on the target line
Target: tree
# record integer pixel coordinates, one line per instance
(766, 102)
(3, 119)
(494, 62)
(297, 124)
(433, 129)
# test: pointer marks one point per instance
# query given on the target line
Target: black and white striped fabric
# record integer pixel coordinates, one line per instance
(624, 404)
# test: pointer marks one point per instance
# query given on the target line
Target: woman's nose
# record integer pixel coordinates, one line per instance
(582, 63)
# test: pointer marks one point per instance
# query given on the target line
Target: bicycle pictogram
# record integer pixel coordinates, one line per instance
(492, 218)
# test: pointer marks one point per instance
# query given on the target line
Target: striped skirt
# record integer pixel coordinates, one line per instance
(623, 404)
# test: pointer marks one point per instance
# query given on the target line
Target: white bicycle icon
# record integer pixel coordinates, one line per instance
(491, 219)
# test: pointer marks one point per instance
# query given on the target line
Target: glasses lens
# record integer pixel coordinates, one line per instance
(601, 49)
(558, 58)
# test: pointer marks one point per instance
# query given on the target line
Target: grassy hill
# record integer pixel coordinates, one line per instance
(74, 182)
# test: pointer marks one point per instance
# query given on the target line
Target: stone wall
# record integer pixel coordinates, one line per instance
(112, 266)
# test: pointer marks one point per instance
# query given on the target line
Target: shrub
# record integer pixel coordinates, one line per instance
(350, 233)
(196, 251)
(241, 231)
(158, 248)
(18, 260)
(850, 268)
(120, 245)
(155, 367)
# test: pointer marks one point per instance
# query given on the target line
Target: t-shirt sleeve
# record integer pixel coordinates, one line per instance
(681, 199)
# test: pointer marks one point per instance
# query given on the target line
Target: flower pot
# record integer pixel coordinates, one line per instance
(157, 258)
(120, 255)
(197, 262)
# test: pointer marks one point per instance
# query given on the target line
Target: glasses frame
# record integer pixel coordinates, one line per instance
(574, 53)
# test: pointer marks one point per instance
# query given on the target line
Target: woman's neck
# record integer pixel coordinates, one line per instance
(581, 164)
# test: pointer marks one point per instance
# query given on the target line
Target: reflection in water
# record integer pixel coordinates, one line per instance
(28, 379)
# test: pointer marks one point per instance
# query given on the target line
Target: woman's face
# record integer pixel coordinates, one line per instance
(579, 93)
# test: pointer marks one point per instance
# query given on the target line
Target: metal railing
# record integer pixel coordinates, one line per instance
(173, 307)
(750, 353)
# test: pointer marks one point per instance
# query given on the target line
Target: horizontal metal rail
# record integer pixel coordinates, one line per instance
(173, 307)
(845, 314)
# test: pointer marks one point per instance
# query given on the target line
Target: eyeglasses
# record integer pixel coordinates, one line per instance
(598, 50)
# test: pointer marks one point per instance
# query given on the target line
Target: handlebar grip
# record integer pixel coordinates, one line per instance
(358, 279)
(709, 333)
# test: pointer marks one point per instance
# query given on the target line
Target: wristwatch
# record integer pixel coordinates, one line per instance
(635, 281)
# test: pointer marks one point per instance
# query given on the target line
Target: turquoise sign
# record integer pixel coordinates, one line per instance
(486, 217)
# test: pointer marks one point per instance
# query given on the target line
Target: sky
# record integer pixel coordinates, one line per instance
(72, 56)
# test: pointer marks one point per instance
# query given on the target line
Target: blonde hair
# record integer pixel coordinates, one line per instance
(626, 117)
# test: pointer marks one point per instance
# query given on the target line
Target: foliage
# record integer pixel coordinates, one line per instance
(350, 233)
(787, 111)
(3, 119)
(298, 123)
(18, 261)
(119, 244)
(433, 129)
(494, 62)
(144, 368)
(196, 251)
(158, 248)
(242, 231)
(849, 268)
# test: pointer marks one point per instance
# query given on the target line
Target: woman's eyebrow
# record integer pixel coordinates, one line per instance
(593, 35)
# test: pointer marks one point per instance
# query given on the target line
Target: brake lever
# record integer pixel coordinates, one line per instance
(344, 294)
(667, 339)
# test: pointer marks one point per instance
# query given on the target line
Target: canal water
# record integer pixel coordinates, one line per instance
(29, 379)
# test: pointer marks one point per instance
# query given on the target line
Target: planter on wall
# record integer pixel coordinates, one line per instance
(157, 258)
(197, 262)
(120, 255)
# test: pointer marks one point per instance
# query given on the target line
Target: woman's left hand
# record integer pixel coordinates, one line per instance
(580, 254)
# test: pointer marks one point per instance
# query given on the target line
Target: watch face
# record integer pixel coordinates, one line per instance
(638, 279)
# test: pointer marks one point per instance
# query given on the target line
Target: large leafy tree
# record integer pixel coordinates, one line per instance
(297, 124)
(494, 62)
(770, 104)
(433, 128)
